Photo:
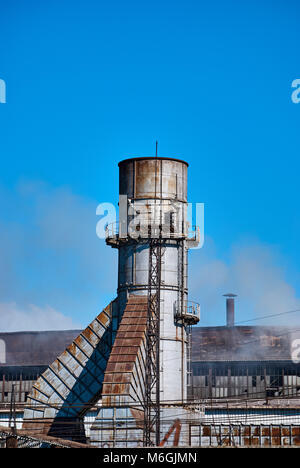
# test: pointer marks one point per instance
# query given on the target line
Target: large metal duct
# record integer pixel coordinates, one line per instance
(73, 382)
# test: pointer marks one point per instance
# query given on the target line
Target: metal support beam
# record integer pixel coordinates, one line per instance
(175, 426)
(152, 377)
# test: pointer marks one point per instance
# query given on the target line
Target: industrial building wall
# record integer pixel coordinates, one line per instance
(245, 380)
(244, 435)
(18, 380)
(269, 383)
(216, 427)
(33, 348)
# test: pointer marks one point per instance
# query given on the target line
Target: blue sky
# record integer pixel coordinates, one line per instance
(90, 83)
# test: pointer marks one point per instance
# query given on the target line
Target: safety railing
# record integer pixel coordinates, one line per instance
(189, 312)
(113, 234)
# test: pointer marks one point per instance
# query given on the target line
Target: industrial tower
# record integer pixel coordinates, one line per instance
(134, 356)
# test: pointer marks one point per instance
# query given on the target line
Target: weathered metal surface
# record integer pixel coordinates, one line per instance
(30, 351)
(175, 426)
(33, 348)
(266, 380)
(153, 178)
(241, 343)
(73, 382)
(230, 310)
(20, 437)
(208, 344)
(120, 420)
(156, 190)
(244, 435)
(123, 385)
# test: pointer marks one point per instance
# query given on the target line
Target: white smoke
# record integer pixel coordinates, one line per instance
(33, 318)
(54, 271)
(255, 272)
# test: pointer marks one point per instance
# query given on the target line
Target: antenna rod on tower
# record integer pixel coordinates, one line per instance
(156, 148)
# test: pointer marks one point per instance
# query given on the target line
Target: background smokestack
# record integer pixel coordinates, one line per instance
(230, 309)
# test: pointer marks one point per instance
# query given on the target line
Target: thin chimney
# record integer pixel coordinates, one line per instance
(230, 309)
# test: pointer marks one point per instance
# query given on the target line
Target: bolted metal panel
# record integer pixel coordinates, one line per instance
(153, 178)
(120, 419)
(73, 382)
(244, 435)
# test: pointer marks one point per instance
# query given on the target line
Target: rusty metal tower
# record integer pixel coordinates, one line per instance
(133, 356)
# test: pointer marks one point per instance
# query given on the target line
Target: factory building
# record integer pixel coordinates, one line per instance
(244, 361)
(142, 369)
(236, 395)
(134, 354)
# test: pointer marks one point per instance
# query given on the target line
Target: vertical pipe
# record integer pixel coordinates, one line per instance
(230, 309)
(265, 379)
(3, 385)
(247, 383)
(134, 179)
(20, 388)
(229, 381)
(210, 382)
(230, 312)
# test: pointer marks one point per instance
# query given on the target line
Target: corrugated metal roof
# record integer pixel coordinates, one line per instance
(241, 343)
(208, 343)
(34, 347)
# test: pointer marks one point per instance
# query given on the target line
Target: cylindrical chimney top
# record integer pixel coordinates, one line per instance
(229, 309)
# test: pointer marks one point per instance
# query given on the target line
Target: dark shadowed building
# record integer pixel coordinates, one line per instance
(243, 362)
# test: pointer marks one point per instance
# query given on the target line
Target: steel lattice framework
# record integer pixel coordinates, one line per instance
(152, 377)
